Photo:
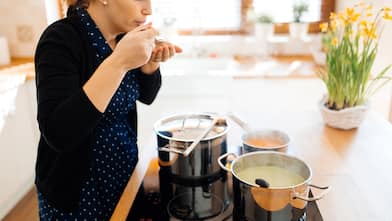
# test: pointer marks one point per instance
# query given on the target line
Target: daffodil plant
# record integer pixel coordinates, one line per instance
(351, 41)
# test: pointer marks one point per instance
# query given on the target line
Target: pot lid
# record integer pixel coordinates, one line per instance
(187, 127)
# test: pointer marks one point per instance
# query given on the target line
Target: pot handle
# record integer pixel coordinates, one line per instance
(173, 149)
(223, 157)
(313, 198)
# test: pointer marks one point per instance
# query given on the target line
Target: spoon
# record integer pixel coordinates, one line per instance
(216, 120)
(240, 122)
(262, 183)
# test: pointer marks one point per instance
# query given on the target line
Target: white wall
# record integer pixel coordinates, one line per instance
(22, 13)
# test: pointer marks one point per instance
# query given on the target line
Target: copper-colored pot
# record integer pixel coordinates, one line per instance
(252, 202)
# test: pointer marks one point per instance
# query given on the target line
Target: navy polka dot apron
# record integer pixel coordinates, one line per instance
(114, 152)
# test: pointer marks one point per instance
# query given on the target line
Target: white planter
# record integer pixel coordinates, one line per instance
(298, 30)
(263, 31)
(345, 119)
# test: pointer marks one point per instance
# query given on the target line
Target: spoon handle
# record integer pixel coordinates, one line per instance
(200, 137)
(240, 122)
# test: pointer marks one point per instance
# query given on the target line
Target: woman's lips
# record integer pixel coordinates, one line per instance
(140, 22)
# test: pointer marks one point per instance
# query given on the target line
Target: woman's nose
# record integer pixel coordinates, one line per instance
(147, 9)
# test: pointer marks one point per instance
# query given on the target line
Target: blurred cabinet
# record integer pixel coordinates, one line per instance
(18, 148)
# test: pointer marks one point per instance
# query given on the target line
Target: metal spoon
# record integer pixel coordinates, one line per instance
(215, 121)
(262, 183)
(240, 122)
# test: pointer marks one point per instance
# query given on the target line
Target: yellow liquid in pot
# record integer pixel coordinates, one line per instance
(275, 176)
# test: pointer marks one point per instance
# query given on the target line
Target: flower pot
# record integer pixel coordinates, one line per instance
(263, 31)
(345, 119)
(298, 30)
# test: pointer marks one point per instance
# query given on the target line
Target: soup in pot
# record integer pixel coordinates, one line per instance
(275, 176)
(263, 142)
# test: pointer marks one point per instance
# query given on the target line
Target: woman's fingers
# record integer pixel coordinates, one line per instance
(164, 51)
(172, 51)
(142, 27)
(158, 55)
(177, 49)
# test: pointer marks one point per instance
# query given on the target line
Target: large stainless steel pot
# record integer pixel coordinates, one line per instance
(194, 199)
(176, 133)
(284, 203)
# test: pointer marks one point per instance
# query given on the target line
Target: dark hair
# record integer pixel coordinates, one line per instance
(73, 4)
(76, 3)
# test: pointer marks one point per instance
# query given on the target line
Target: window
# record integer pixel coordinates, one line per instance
(200, 14)
(281, 10)
(229, 16)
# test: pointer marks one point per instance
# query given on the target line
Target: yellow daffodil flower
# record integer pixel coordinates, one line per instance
(387, 9)
(354, 17)
(324, 27)
(332, 16)
(342, 16)
(363, 23)
(335, 42)
(333, 25)
(387, 16)
(341, 37)
(350, 11)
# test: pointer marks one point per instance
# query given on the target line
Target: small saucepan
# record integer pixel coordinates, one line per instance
(265, 139)
(261, 139)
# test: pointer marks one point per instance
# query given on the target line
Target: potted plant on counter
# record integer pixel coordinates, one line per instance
(351, 43)
(263, 31)
(263, 24)
(299, 28)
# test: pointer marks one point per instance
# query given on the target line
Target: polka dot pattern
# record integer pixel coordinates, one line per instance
(114, 152)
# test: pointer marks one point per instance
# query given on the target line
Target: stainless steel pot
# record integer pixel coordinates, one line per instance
(190, 200)
(253, 202)
(176, 133)
(281, 139)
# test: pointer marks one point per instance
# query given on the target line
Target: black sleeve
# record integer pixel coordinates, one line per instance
(66, 116)
(149, 85)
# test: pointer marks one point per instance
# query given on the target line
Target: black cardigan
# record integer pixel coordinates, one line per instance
(64, 61)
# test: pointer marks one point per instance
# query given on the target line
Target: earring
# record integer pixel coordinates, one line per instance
(105, 3)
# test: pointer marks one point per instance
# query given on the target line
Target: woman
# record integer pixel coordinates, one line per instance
(91, 67)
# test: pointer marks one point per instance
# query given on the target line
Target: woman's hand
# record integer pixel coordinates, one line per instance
(135, 48)
(162, 52)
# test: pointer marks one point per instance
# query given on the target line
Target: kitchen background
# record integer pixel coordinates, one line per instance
(210, 87)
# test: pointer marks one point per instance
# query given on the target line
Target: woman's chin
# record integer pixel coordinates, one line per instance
(131, 26)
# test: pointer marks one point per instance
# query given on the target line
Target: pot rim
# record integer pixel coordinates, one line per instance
(306, 181)
(285, 144)
(207, 115)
